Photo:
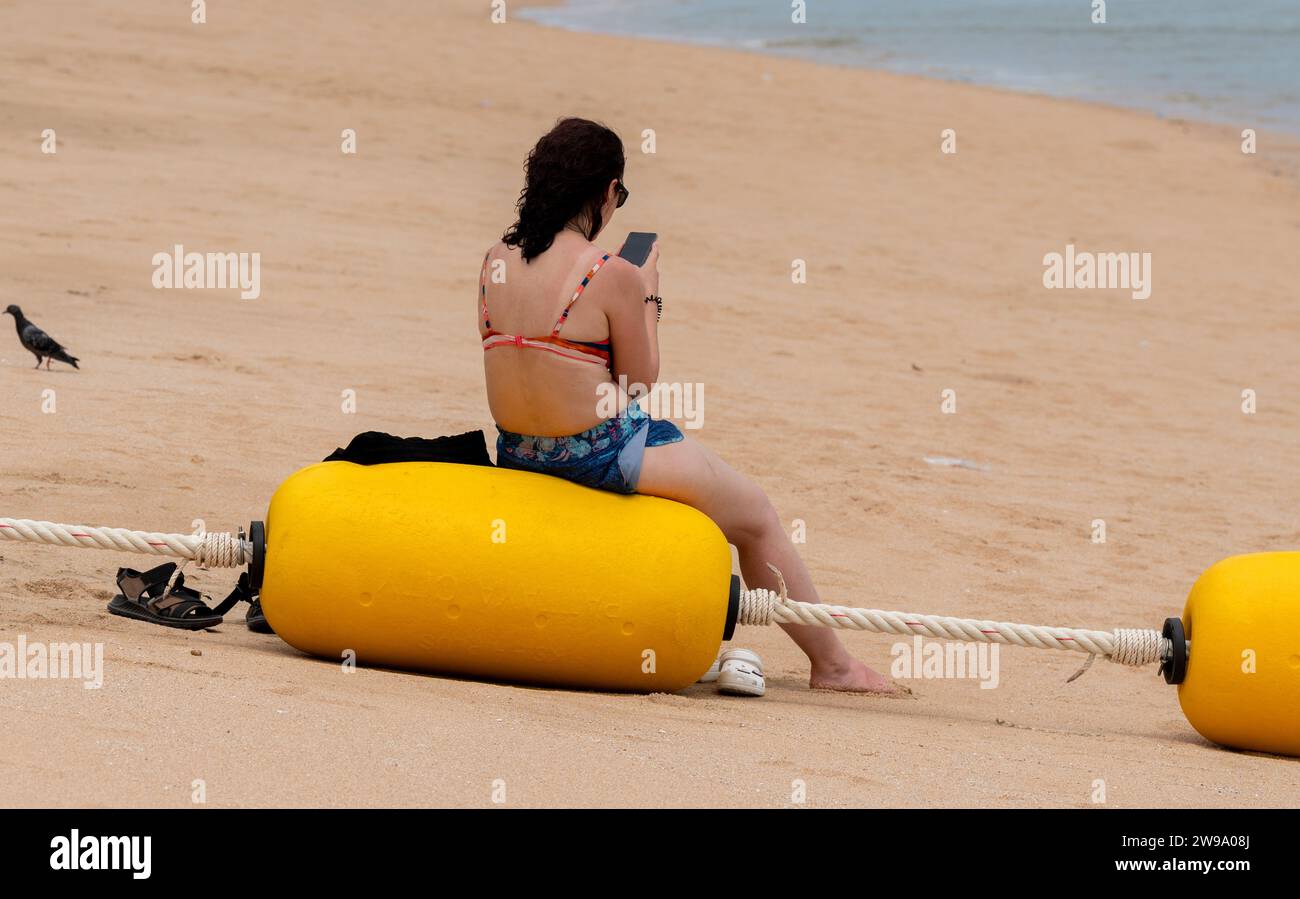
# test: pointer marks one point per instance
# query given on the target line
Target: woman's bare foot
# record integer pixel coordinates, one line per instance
(851, 676)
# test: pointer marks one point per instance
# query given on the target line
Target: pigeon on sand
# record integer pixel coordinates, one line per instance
(41, 345)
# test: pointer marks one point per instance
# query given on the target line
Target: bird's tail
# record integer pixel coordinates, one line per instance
(63, 356)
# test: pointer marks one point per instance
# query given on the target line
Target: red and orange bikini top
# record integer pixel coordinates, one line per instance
(597, 352)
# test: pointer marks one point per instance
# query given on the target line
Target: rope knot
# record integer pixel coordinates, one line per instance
(219, 550)
(1137, 646)
(757, 605)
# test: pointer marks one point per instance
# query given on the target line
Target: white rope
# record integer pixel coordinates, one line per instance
(212, 550)
(1126, 646)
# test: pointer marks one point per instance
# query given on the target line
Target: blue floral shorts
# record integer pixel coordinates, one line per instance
(607, 457)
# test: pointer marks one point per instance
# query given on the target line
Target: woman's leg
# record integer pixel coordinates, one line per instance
(692, 474)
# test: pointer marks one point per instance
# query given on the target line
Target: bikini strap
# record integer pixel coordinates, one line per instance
(564, 316)
(482, 289)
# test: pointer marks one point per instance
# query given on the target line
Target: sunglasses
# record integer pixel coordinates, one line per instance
(622, 194)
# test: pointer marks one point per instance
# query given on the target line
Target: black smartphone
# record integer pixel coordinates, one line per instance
(636, 249)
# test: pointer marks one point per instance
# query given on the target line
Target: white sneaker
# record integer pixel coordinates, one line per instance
(711, 675)
(740, 673)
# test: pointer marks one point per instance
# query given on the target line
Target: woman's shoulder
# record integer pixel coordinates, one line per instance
(616, 268)
(619, 281)
(497, 255)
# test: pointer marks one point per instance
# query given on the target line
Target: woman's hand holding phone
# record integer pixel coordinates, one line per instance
(650, 271)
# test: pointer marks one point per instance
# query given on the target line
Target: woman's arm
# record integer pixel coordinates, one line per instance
(633, 324)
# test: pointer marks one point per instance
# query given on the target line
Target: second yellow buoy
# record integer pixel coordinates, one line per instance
(1242, 620)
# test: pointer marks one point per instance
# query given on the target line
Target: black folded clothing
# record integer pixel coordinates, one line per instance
(376, 448)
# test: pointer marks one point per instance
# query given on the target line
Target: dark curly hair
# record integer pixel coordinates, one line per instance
(565, 178)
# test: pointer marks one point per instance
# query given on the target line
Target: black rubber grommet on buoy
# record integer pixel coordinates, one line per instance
(257, 567)
(1174, 668)
(733, 609)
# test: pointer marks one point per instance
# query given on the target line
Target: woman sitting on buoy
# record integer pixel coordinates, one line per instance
(565, 322)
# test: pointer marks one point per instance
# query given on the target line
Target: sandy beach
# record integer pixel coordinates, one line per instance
(924, 274)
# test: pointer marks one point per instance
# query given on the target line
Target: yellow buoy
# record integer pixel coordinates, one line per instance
(498, 574)
(1242, 621)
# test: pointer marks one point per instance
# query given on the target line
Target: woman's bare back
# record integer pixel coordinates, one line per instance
(544, 393)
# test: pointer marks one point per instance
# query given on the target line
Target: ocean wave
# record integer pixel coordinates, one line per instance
(812, 42)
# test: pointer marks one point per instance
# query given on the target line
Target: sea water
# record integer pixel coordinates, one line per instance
(1230, 61)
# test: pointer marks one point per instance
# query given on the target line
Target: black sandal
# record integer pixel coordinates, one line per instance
(152, 597)
(256, 618)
